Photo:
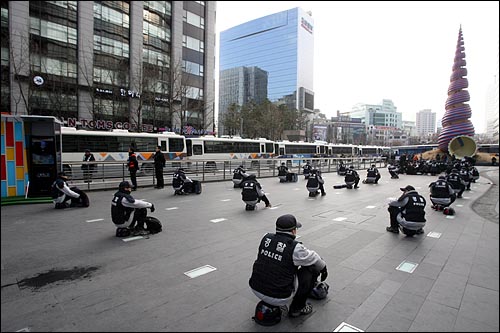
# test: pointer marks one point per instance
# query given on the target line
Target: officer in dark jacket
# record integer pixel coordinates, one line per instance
(285, 270)
(307, 170)
(62, 193)
(373, 172)
(393, 170)
(181, 183)
(159, 161)
(283, 173)
(408, 211)
(352, 176)
(252, 192)
(133, 166)
(442, 194)
(456, 182)
(466, 177)
(316, 181)
(239, 174)
(122, 207)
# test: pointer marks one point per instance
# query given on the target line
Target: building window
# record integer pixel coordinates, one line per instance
(193, 43)
(194, 19)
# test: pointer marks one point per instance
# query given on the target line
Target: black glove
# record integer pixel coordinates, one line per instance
(152, 208)
(324, 274)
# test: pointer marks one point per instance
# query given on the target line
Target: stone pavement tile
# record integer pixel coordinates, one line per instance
(364, 315)
(388, 322)
(464, 324)
(448, 289)
(404, 305)
(477, 304)
(361, 260)
(427, 270)
(326, 317)
(353, 295)
(371, 277)
(484, 250)
(221, 316)
(418, 285)
(484, 276)
(340, 277)
(434, 317)
(389, 287)
(440, 253)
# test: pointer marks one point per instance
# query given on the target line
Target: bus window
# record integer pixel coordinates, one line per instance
(197, 150)
(262, 148)
(269, 148)
(175, 145)
(163, 145)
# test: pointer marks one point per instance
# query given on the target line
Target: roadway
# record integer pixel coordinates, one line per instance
(63, 270)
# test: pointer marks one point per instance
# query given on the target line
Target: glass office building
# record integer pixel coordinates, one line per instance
(281, 44)
(141, 65)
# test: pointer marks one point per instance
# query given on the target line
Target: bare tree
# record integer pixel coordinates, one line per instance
(19, 53)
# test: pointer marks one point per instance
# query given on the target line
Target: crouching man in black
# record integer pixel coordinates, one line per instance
(126, 211)
(62, 193)
(285, 270)
(408, 211)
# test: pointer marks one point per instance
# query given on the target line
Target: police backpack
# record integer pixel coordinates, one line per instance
(153, 225)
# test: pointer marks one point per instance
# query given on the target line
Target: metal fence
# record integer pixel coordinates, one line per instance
(107, 175)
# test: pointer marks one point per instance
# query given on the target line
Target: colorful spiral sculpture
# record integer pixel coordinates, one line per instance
(456, 117)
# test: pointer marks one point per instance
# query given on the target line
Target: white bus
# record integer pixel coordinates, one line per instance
(213, 148)
(346, 150)
(114, 145)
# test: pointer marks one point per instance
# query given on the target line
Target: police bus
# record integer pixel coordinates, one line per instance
(113, 146)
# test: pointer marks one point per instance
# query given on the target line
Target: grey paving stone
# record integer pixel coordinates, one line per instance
(448, 289)
(477, 304)
(141, 286)
(434, 317)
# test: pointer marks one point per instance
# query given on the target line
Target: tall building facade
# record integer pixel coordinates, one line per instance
(280, 44)
(140, 65)
(381, 120)
(241, 85)
(426, 123)
(384, 114)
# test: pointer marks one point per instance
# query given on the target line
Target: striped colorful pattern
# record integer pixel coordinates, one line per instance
(14, 169)
(456, 117)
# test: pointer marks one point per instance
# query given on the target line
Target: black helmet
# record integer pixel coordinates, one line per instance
(448, 211)
(320, 291)
(180, 170)
(441, 177)
(266, 314)
(241, 166)
(351, 167)
(252, 176)
(282, 163)
(123, 185)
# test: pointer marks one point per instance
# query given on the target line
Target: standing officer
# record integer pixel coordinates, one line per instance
(159, 161)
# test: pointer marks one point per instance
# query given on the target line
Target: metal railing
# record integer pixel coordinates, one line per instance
(107, 175)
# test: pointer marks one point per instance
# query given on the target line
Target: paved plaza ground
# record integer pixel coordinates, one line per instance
(64, 270)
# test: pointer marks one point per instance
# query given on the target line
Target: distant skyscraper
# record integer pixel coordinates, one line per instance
(384, 114)
(426, 122)
(281, 44)
(240, 85)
